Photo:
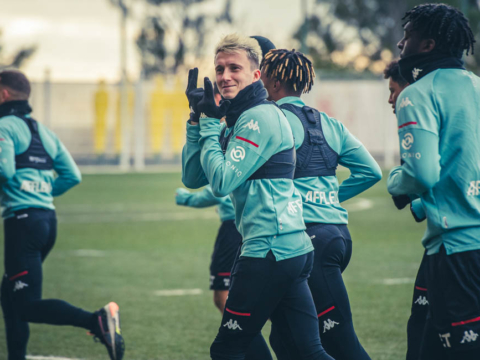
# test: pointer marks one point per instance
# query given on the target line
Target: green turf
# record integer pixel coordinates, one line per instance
(142, 244)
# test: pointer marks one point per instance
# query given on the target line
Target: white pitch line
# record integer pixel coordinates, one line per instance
(134, 217)
(39, 357)
(178, 292)
(89, 253)
(359, 205)
(397, 281)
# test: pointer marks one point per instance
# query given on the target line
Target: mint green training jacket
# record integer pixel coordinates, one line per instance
(268, 212)
(439, 131)
(27, 187)
(322, 196)
(205, 198)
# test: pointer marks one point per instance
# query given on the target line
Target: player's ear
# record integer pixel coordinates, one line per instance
(428, 45)
(277, 86)
(256, 75)
(5, 94)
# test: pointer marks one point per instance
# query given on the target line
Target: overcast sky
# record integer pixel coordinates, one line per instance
(78, 40)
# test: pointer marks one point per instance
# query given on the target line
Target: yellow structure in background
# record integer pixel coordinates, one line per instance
(118, 121)
(100, 124)
(162, 104)
(157, 115)
(180, 114)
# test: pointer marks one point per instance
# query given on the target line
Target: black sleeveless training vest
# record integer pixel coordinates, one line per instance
(35, 157)
(315, 157)
(280, 166)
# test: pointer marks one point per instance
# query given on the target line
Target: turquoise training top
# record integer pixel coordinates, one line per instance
(27, 187)
(268, 212)
(205, 198)
(439, 130)
(322, 196)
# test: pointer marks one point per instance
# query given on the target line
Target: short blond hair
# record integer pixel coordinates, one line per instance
(234, 43)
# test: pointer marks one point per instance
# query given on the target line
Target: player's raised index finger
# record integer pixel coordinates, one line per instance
(208, 88)
(192, 79)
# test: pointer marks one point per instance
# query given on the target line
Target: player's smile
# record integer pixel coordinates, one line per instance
(233, 73)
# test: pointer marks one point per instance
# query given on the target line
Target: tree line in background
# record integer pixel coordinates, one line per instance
(175, 30)
(369, 29)
(342, 36)
(15, 59)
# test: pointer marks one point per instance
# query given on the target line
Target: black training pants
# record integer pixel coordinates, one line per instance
(333, 249)
(264, 288)
(29, 237)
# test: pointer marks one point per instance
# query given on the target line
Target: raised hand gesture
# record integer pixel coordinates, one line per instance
(194, 95)
(207, 106)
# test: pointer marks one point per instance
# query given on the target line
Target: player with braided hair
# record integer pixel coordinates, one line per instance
(321, 143)
(443, 24)
(438, 128)
(289, 67)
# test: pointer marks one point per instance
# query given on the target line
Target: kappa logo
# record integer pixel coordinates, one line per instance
(294, 206)
(469, 336)
(329, 324)
(444, 338)
(253, 125)
(19, 286)
(405, 102)
(232, 325)
(238, 153)
(415, 73)
(226, 282)
(407, 141)
(422, 300)
(212, 279)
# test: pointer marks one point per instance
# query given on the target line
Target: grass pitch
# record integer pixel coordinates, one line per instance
(122, 238)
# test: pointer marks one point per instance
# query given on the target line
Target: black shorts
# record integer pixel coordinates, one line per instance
(226, 247)
(453, 283)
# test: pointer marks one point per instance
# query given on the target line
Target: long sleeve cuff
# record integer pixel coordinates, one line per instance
(193, 132)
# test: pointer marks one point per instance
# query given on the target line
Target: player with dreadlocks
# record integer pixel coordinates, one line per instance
(438, 128)
(321, 143)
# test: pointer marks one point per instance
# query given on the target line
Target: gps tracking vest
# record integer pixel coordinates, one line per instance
(280, 166)
(315, 157)
(35, 157)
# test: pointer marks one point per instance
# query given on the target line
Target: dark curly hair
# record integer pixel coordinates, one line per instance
(393, 71)
(444, 24)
